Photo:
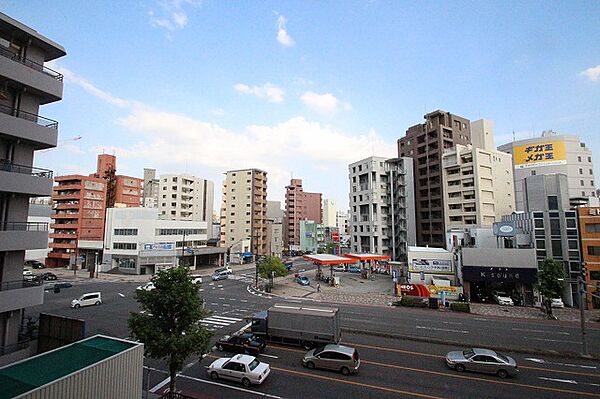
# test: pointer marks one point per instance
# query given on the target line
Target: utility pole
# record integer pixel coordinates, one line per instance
(582, 292)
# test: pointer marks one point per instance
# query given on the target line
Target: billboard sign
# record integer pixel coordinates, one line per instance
(164, 246)
(505, 229)
(430, 291)
(335, 237)
(541, 154)
(431, 266)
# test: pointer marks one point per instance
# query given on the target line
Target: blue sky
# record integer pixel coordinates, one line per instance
(305, 88)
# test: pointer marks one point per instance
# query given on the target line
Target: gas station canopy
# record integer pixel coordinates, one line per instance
(327, 259)
(363, 257)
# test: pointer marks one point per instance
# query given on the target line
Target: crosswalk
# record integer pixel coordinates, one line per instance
(215, 322)
(243, 277)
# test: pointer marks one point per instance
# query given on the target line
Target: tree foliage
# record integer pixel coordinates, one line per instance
(168, 321)
(271, 264)
(550, 282)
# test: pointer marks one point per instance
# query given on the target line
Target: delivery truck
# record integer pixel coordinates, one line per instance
(307, 326)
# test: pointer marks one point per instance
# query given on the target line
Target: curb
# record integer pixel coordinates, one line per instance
(533, 351)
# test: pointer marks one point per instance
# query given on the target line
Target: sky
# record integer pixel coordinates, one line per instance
(303, 88)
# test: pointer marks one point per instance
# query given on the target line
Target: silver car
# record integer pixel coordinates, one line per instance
(333, 357)
(483, 361)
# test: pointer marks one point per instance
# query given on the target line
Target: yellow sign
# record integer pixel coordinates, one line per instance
(540, 154)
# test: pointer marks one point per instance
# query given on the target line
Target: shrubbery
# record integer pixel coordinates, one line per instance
(460, 307)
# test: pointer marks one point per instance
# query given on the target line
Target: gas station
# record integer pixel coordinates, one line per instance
(368, 261)
(328, 260)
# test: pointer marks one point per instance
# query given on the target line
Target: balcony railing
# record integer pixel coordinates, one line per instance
(31, 64)
(23, 226)
(7, 166)
(18, 284)
(40, 120)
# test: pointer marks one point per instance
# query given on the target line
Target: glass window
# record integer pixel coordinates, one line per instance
(573, 244)
(538, 214)
(555, 227)
(552, 202)
(539, 223)
(592, 228)
(593, 250)
(571, 224)
(540, 244)
(557, 249)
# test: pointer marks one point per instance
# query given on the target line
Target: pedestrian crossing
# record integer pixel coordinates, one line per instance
(215, 322)
(243, 277)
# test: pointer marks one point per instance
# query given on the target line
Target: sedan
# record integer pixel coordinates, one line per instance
(483, 361)
(303, 280)
(339, 268)
(354, 269)
(502, 298)
(48, 276)
(242, 368)
(149, 286)
(241, 343)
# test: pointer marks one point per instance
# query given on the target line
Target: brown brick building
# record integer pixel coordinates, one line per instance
(299, 205)
(589, 233)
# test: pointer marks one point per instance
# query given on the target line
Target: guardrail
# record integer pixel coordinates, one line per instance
(23, 226)
(40, 120)
(18, 284)
(8, 166)
(31, 64)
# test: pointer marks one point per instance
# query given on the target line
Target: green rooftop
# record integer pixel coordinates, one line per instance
(40, 370)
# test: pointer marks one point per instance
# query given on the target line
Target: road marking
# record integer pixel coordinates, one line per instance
(221, 298)
(160, 385)
(243, 300)
(541, 331)
(271, 356)
(553, 340)
(558, 380)
(217, 322)
(442, 329)
(266, 395)
(226, 304)
(226, 318)
(121, 295)
(214, 303)
(542, 361)
(480, 319)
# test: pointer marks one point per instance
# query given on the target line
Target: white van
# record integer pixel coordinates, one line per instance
(92, 298)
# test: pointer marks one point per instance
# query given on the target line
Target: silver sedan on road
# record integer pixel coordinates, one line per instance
(483, 361)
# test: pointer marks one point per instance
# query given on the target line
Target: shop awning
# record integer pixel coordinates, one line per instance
(328, 259)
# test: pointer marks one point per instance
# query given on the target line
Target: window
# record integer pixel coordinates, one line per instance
(179, 232)
(553, 202)
(540, 244)
(539, 223)
(571, 224)
(581, 182)
(573, 244)
(555, 227)
(580, 171)
(126, 263)
(593, 250)
(578, 159)
(589, 159)
(125, 245)
(592, 228)
(557, 249)
(126, 232)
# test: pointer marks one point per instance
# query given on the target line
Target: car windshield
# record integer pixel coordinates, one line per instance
(468, 353)
(254, 364)
(319, 350)
(502, 357)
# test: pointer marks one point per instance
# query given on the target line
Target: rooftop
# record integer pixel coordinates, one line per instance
(427, 249)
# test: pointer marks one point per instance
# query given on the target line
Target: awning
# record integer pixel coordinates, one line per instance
(327, 259)
(247, 255)
(363, 257)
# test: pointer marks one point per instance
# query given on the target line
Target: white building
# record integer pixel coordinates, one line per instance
(39, 213)
(150, 189)
(341, 222)
(329, 212)
(136, 241)
(186, 197)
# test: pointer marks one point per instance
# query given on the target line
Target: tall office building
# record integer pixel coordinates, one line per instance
(186, 197)
(150, 189)
(329, 212)
(244, 210)
(299, 205)
(425, 143)
(382, 206)
(25, 84)
(553, 153)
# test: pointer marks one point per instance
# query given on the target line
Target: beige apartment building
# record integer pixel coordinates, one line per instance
(477, 180)
(244, 211)
(186, 197)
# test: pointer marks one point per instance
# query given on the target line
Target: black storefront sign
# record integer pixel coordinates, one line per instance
(499, 274)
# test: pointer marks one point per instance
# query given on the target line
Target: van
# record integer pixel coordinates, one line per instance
(333, 357)
(92, 298)
(220, 275)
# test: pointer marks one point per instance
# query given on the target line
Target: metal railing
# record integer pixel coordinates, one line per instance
(7, 166)
(18, 284)
(31, 64)
(28, 116)
(23, 226)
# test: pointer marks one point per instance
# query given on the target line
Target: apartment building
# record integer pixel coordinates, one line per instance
(274, 228)
(426, 143)
(120, 190)
(382, 206)
(25, 84)
(244, 211)
(329, 212)
(299, 205)
(549, 154)
(150, 189)
(589, 233)
(186, 197)
(341, 222)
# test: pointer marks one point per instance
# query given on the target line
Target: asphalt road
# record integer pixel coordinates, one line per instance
(391, 367)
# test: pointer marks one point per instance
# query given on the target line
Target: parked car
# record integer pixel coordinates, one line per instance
(196, 278)
(333, 357)
(339, 268)
(28, 275)
(34, 264)
(48, 276)
(556, 303)
(484, 361)
(354, 269)
(226, 269)
(61, 285)
(502, 298)
(247, 343)
(222, 275)
(289, 265)
(303, 280)
(92, 298)
(242, 368)
(149, 286)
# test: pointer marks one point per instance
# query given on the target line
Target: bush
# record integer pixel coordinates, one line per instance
(413, 302)
(460, 307)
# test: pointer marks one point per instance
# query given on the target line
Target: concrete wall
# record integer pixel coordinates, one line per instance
(503, 257)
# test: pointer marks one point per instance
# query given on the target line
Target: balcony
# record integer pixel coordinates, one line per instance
(64, 215)
(19, 236)
(45, 82)
(63, 245)
(20, 294)
(59, 255)
(66, 205)
(72, 235)
(22, 179)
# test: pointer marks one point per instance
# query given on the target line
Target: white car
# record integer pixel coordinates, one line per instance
(149, 286)
(339, 268)
(242, 368)
(196, 278)
(502, 298)
(90, 299)
(225, 270)
(557, 303)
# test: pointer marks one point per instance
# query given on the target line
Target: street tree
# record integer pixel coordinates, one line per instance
(271, 266)
(168, 321)
(550, 282)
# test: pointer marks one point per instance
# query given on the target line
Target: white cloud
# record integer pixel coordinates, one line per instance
(324, 103)
(592, 74)
(269, 91)
(283, 36)
(220, 112)
(172, 14)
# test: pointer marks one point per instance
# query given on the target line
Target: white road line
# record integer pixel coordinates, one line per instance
(541, 331)
(271, 356)
(217, 322)
(243, 300)
(442, 329)
(558, 380)
(214, 303)
(480, 319)
(553, 340)
(226, 318)
(542, 361)
(226, 304)
(160, 385)
(265, 395)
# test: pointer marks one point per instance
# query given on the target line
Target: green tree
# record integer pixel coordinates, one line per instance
(271, 266)
(550, 282)
(168, 324)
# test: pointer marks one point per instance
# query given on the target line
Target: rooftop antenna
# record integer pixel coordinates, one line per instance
(514, 138)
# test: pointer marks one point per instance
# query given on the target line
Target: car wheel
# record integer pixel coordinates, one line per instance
(502, 373)
(220, 347)
(77, 306)
(460, 368)
(214, 376)
(246, 382)
(345, 370)
(97, 303)
(310, 365)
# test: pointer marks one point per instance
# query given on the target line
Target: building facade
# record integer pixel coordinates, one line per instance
(341, 222)
(299, 205)
(120, 190)
(150, 189)
(186, 197)
(549, 154)
(244, 211)
(382, 206)
(589, 233)
(426, 143)
(25, 85)
(329, 212)
(39, 214)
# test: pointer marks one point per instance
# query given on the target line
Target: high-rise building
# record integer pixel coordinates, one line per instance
(150, 189)
(425, 143)
(341, 222)
(25, 84)
(274, 228)
(299, 205)
(329, 212)
(553, 153)
(186, 197)
(244, 210)
(382, 206)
